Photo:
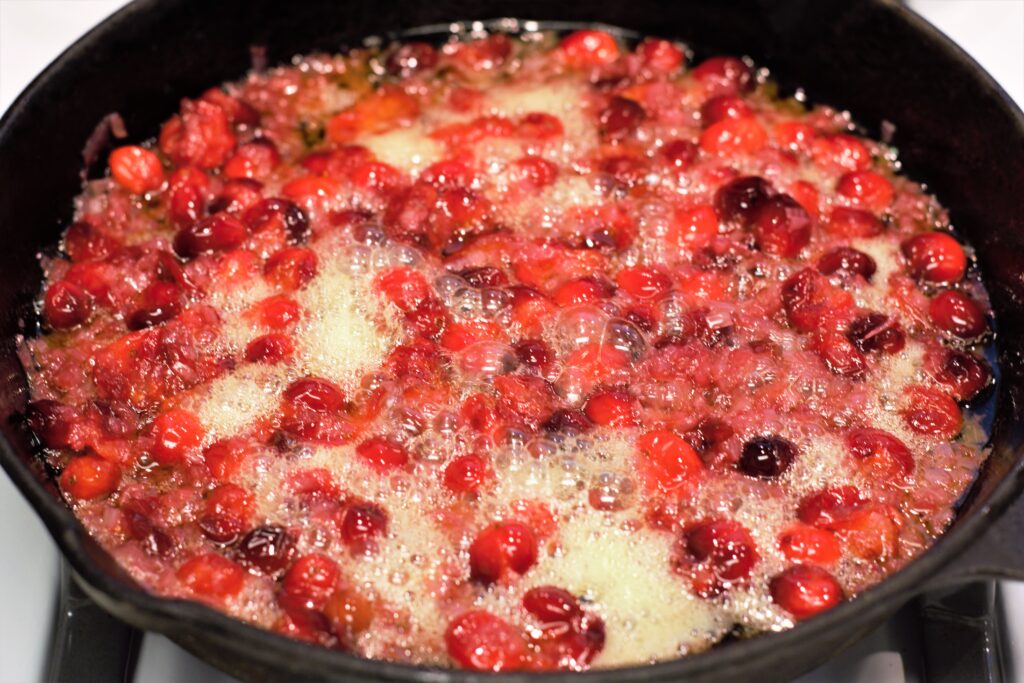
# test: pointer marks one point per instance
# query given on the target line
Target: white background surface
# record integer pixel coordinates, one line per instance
(33, 32)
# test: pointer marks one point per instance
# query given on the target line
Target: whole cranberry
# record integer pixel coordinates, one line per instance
(766, 457)
(737, 201)
(876, 332)
(267, 548)
(847, 260)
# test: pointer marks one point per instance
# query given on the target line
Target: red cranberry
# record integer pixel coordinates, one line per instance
(844, 222)
(643, 282)
(227, 513)
(479, 641)
(931, 412)
(876, 332)
(66, 305)
(557, 610)
(723, 107)
(781, 226)
(727, 551)
(590, 48)
(827, 506)
(83, 242)
(237, 196)
(935, 257)
(161, 301)
(966, 374)
(678, 153)
(176, 433)
(466, 474)
(567, 422)
(724, 75)
(500, 548)
(804, 590)
(276, 213)
(312, 579)
(957, 314)
(848, 260)
(575, 650)
(52, 421)
(212, 575)
(362, 525)
(315, 394)
(612, 407)
(267, 548)
(87, 477)
(620, 118)
(708, 434)
(485, 276)
(411, 58)
(383, 454)
(219, 232)
(841, 356)
(884, 453)
(535, 353)
(766, 457)
(737, 201)
(269, 349)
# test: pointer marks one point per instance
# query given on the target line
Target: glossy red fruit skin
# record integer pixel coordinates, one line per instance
(227, 513)
(383, 454)
(723, 107)
(885, 454)
(466, 474)
(666, 461)
(267, 548)
(805, 590)
(846, 222)
(935, 257)
(66, 305)
(847, 260)
(501, 548)
(160, 302)
(823, 508)
(808, 544)
(643, 282)
(963, 373)
(724, 75)
(362, 524)
(479, 641)
(866, 189)
(620, 118)
(136, 169)
(738, 201)
(212, 576)
(176, 433)
(557, 610)
(219, 232)
(315, 394)
(876, 332)
(953, 312)
(726, 544)
(89, 477)
(269, 349)
(932, 412)
(766, 457)
(612, 407)
(781, 226)
(589, 48)
(277, 213)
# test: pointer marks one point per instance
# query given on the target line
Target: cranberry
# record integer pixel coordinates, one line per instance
(187, 195)
(931, 412)
(52, 422)
(738, 200)
(479, 641)
(267, 548)
(781, 226)
(724, 75)
(466, 474)
(136, 169)
(557, 610)
(535, 353)
(485, 276)
(362, 524)
(848, 260)
(66, 305)
(882, 452)
(730, 137)
(311, 579)
(621, 118)
(350, 613)
(965, 374)
(278, 214)
(708, 434)
(845, 222)
(723, 107)
(315, 394)
(176, 433)
(808, 299)
(382, 454)
(501, 548)
(269, 349)
(404, 287)
(291, 268)
(568, 422)
(410, 58)
(590, 48)
(160, 302)
(876, 332)
(725, 549)
(643, 282)
(212, 575)
(803, 543)
(841, 356)
(667, 462)
(227, 513)
(935, 257)
(766, 457)
(219, 232)
(613, 408)
(825, 507)
(866, 189)
(88, 477)
(678, 153)
(84, 242)
(957, 314)
(805, 590)
(200, 136)
(841, 151)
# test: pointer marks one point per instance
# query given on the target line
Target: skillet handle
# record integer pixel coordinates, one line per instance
(89, 645)
(997, 554)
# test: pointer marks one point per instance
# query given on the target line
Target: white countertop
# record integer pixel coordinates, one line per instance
(33, 32)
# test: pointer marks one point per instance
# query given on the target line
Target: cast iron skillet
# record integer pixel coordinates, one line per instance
(955, 129)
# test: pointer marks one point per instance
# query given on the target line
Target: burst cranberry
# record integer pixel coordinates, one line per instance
(254, 160)
(227, 513)
(693, 227)
(957, 314)
(278, 214)
(188, 191)
(557, 610)
(620, 118)
(567, 422)
(501, 548)
(350, 612)
(794, 136)
(613, 408)
(267, 548)
(931, 412)
(809, 299)
(88, 477)
(766, 457)
(882, 453)
(136, 169)
(643, 282)
(66, 305)
(805, 590)
(485, 276)
(466, 474)
(52, 422)
(211, 575)
(200, 136)
(176, 433)
(667, 462)
(734, 136)
(781, 226)
(404, 287)
(823, 508)
(841, 356)
(160, 302)
(382, 454)
(724, 75)
(739, 200)
(723, 107)
(479, 641)
(841, 152)
(85, 242)
(866, 189)
(660, 55)
(291, 268)
(847, 260)
(803, 543)
(726, 551)
(219, 232)
(315, 394)
(964, 374)
(311, 579)
(846, 222)
(876, 332)
(589, 48)
(269, 349)
(935, 257)
(362, 525)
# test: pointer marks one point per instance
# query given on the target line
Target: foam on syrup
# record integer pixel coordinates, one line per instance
(409, 149)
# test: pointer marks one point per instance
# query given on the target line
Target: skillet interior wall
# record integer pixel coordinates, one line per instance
(852, 55)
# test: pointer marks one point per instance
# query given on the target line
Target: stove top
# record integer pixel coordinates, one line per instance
(973, 634)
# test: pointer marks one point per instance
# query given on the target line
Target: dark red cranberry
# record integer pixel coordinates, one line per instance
(52, 422)
(410, 58)
(485, 276)
(935, 257)
(709, 433)
(781, 226)
(848, 260)
(568, 422)
(83, 242)
(161, 301)
(738, 200)
(535, 353)
(725, 552)
(267, 548)
(804, 590)
(724, 74)
(965, 373)
(876, 332)
(500, 548)
(237, 195)
(620, 118)
(219, 232)
(957, 314)
(66, 305)
(315, 394)
(678, 153)
(841, 356)
(723, 107)
(362, 524)
(556, 609)
(766, 457)
(276, 212)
